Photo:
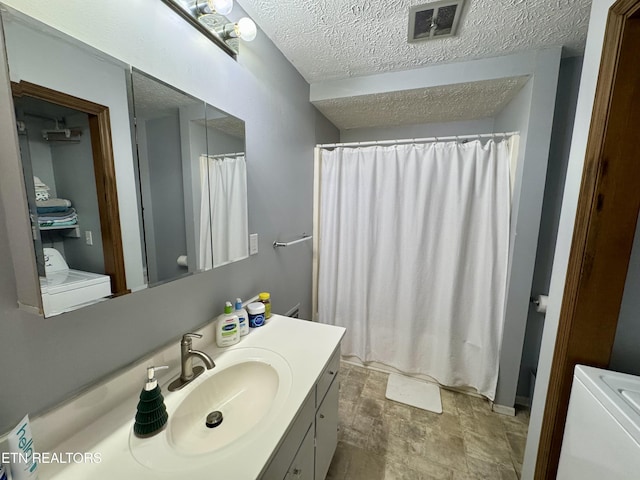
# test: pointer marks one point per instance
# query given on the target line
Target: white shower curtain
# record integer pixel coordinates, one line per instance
(413, 253)
(224, 235)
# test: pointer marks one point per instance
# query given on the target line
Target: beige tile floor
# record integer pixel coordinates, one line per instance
(380, 439)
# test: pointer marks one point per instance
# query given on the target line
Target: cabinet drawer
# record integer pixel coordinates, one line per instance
(326, 431)
(286, 451)
(302, 467)
(329, 373)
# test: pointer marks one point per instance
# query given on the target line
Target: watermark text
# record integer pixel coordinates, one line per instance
(51, 457)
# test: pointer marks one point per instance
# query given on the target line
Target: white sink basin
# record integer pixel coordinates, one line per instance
(243, 393)
(248, 386)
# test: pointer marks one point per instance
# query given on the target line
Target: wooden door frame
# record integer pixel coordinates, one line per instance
(604, 229)
(105, 174)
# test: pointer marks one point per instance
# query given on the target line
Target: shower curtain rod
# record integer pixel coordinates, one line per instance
(417, 140)
(223, 155)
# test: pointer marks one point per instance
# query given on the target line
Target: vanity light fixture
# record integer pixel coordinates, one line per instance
(245, 29)
(209, 17)
(222, 7)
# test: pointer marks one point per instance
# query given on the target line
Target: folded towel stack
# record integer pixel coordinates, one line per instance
(67, 217)
(53, 205)
(42, 190)
(53, 212)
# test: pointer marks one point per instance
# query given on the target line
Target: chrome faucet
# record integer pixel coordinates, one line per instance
(188, 372)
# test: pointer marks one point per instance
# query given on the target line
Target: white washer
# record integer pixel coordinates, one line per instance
(64, 289)
(602, 433)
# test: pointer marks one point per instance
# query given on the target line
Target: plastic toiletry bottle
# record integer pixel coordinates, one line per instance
(151, 416)
(243, 318)
(227, 327)
(265, 297)
(20, 442)
(256, 314)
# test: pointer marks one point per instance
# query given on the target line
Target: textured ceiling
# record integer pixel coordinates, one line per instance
(153, 98)
(327, 39)
(462, 101)
(226, 124)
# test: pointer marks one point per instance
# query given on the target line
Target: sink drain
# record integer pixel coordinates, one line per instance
(214, 419)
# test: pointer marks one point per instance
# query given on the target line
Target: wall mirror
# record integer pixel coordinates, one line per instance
(224, 235)
(193, 181)
(162, 212)
(164, 134)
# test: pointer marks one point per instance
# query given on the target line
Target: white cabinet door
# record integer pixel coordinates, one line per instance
(326, 431)
(302, 466)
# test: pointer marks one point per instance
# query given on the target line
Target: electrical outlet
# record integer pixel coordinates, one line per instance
(88, 237)
(253, 244)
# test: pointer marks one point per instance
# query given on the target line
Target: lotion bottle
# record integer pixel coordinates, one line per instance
(20, 442)
(227, 327)
(243, 318)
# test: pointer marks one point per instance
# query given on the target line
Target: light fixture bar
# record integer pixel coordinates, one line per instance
(214, 37)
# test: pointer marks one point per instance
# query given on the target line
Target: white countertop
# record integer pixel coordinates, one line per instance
(100, 421)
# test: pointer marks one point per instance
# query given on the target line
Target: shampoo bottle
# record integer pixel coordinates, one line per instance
(227, 328)
(243, 318)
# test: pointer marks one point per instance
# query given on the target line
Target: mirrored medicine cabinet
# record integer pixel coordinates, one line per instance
(129, 181)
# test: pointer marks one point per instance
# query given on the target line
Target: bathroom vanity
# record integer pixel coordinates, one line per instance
(277, 390)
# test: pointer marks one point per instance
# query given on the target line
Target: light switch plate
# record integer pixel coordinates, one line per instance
(253, 244)
(88, 237)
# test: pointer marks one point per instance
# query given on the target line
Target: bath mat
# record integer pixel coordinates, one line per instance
(414, 392)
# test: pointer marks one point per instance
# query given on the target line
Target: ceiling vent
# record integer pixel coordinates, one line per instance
(434, 20)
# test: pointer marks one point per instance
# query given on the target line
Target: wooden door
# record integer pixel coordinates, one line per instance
(604, 227)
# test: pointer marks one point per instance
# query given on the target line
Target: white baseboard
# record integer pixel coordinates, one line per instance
(29, 308)
(503, 410)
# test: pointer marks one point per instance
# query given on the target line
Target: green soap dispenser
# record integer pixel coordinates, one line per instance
(152, 414)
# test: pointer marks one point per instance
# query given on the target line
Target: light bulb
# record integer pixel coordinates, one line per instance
(223, 7)
(246, 29)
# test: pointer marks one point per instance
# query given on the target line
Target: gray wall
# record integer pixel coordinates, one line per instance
(584, 107)
(194, 143)
(220, 142)
(626, 348)
(67, 168)
(40, 151)
(75, 181)
(326, 132)
(60, 356)
(528, 193)
(566, 99)
(167, 195)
